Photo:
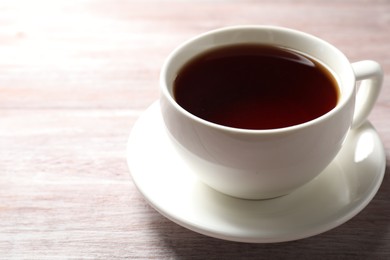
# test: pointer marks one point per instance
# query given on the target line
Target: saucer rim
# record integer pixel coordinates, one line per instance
(354, 207)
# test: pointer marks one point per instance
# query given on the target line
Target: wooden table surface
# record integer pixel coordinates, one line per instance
(74, 78)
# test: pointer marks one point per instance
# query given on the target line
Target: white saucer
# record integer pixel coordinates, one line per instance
(335, 196)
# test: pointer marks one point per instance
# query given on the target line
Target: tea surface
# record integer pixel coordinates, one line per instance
(254, 86)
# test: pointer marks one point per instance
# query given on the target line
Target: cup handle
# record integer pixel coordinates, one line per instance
(371, 76)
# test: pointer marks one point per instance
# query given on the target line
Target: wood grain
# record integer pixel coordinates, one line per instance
(74, 78)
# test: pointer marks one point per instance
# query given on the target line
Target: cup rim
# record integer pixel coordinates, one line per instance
(166, 93)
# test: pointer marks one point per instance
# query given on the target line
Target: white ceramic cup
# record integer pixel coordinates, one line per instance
(261, 164)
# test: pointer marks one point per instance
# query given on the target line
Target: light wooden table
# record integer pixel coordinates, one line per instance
(74, 78)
